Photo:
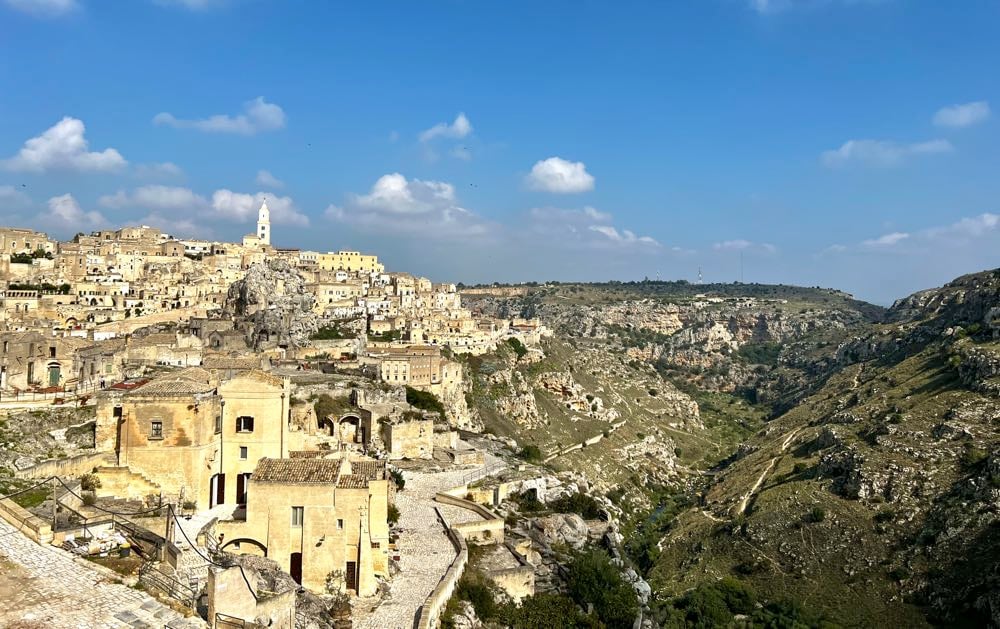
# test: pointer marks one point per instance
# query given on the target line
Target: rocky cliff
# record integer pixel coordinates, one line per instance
(272, 306)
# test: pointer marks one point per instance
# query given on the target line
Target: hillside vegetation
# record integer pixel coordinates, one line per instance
(828, 456)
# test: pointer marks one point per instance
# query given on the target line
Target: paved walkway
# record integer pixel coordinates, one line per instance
(43, 586)
(425, 551)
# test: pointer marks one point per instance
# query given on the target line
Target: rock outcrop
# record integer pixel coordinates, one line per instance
(272, 306)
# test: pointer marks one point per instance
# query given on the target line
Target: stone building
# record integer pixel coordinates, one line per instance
(315, 517)
(194, 436)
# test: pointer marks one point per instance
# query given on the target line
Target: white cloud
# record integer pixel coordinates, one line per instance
(587, 214)
(587, 228)
(183, 204)
(242, 207)
(63, 147)
(193, 5)
(394, 194)
(460, 128)
(258, 116)
(964, 115)
(881, 153)
(429, 209)
(625, 237)
(972, 227)
(161, 170)
(770, 7)
(267, 180)
(560, 176)
(740, 244)
(66, 214)
(156, 197)
(179, 227)
(886, 240)
(44, 8)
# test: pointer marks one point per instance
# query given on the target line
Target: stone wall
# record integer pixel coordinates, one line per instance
(35, 528)
(435, 603)
(518, 582)
(72, 466)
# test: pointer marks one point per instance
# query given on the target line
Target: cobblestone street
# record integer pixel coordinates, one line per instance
(44, 586)
(425, 551)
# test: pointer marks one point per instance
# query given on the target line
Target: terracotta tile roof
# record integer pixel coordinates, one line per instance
(230, 362)
(305, 454)
(319, 471)
(189, 381)
(297, 471)
(351, 481)
(370, 470)
(173, 386)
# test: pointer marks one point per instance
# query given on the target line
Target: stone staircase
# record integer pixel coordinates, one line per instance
(123, 482)
(151, 614)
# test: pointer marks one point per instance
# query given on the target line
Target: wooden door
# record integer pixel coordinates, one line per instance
(295, 567)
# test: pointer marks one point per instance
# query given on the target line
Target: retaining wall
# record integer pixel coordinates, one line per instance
(72, 466)
(431, 610)
(28, 523)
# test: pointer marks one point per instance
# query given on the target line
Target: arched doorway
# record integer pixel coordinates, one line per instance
(245, 546)
(351, 430)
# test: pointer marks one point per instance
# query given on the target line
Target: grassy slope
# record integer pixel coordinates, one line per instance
(842, 564)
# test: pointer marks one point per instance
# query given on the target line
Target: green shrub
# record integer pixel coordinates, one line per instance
(816, 514)
(392, 514)
(581, 504)
(528, 502)
(530, 453)
(973, 457)
(546, 611)
(89, 499)
(397, 478)
(424, 400)
(90, 482)
(331, 332)
(329, 406)
(760, 353)
(517, 346)
(593, 579)
(480, 594)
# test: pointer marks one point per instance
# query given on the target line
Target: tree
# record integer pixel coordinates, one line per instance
(593, 579)
(424, 400)
(546, 611)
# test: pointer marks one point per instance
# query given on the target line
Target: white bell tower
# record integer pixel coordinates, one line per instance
(264, 224)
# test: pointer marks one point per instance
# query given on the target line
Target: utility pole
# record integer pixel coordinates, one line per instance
(55, 484)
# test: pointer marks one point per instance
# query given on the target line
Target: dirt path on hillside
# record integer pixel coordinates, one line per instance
(741, 507)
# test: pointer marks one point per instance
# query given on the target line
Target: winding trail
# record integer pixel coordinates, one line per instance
(741, 508)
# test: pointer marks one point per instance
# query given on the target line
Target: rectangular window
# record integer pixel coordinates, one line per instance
(243, 452)
(156, 430)
(298, 514)
(244, 423)
(376, 545)
(340, 524)
(52, 352)
(218, 424)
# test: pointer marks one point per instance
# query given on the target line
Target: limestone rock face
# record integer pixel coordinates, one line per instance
(272, 306)
(565, 528)
(465, 617)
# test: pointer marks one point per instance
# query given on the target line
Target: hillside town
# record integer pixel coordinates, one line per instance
(246, 413)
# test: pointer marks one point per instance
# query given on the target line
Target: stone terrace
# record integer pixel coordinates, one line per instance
(43, 586)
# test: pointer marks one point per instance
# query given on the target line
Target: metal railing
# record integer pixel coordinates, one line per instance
(483, 472)
(225, 621)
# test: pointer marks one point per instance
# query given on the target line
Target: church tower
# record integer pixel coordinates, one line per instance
(264, 224)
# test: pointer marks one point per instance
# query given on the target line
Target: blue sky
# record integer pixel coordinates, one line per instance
(844, 143)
